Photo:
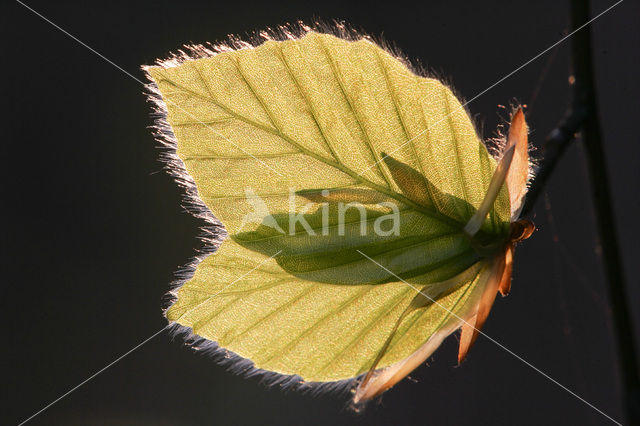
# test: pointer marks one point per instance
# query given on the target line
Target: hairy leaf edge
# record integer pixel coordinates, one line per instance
(212, 233)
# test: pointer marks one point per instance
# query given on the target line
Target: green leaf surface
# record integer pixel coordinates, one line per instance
(328, 121)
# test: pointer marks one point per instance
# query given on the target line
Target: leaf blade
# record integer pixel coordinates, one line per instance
(330, 108)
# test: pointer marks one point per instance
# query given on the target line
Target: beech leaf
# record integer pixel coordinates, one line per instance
(341, 177)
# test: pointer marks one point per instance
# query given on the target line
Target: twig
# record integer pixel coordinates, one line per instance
(582, 117)
(553, 147)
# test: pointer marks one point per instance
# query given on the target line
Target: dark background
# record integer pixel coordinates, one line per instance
(92, 228)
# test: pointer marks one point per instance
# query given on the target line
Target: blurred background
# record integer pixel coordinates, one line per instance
(92, 228)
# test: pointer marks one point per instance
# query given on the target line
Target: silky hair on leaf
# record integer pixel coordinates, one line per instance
(356, 217)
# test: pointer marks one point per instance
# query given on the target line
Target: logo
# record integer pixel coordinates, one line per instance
(329, 213)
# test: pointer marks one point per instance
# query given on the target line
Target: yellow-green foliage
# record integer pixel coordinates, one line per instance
(322, 113)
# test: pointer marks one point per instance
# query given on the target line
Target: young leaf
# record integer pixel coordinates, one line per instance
(364, 174)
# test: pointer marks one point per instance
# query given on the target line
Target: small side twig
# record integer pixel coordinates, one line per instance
(582, 117)
(553, 148)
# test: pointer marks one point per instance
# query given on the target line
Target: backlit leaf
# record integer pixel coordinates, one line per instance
(279, 139)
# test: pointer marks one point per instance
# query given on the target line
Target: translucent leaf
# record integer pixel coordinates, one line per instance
(278, 139)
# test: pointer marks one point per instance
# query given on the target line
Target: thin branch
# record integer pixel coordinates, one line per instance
(582, 117)
(553, 148)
